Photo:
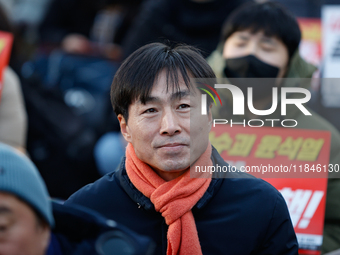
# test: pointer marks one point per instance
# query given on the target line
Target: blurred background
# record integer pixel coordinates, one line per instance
(55, 103)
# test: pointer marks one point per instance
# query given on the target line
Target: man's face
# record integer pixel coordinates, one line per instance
(160, 129)
(268, 49)
(20, 232)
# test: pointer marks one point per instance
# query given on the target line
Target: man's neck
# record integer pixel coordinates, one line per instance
(169, 176)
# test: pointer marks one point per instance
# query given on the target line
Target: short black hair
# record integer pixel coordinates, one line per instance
(270, 17)
(135, 77)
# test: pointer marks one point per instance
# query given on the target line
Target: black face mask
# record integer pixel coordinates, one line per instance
(237, 69)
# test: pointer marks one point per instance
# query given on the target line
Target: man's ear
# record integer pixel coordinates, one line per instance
(124, 128)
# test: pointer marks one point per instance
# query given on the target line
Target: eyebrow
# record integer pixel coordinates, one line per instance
(243, 36)
(180, 94)
(174, 96)
(268, 40)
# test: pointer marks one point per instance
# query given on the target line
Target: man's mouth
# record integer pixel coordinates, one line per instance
(172, 145)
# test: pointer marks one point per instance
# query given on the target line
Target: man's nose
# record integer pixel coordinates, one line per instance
(170, 123)
(252, 48)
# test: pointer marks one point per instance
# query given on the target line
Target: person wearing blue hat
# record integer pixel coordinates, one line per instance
(25, 210)
(30, 224)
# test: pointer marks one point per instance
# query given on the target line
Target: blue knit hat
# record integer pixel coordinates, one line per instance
(20, 177)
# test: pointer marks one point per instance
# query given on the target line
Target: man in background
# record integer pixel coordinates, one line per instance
(261, 40)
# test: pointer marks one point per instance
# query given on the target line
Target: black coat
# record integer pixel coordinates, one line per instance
(238, 215)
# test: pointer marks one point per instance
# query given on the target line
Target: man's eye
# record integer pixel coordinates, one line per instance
(267, 49)
(184, 106)
(150, 110)
(267, 46)
(241, 44)
(3, 228)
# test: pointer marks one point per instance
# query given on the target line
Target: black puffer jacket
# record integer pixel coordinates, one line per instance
(236, 215)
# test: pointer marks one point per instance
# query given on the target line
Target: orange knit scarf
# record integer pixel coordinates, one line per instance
(173, 199)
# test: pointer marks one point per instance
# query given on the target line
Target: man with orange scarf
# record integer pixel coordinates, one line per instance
(159, 111)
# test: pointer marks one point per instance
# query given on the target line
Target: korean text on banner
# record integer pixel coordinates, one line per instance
(305, 153)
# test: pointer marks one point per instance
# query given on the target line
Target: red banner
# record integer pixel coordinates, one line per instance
(310, 46)
(275, 152)
(284, 149)
(306, 201)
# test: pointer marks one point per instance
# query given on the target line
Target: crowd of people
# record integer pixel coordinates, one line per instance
(101, 114)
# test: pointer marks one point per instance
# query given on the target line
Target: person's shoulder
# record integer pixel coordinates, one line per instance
(250, 192)
(95, 191)
(256, 198)
(257, 203)
(243, 182)
(237, 180)
(240, 181)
